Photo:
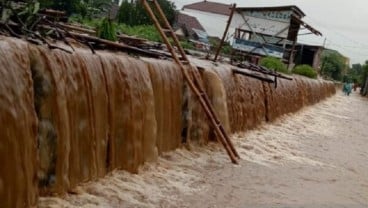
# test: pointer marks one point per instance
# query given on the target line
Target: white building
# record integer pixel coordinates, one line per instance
(212, 15)
(254, 31)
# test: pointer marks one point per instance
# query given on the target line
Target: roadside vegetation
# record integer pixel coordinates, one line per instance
(333, 65)
(277, 65)
(359, 74)
(274, 64)
(305, 70)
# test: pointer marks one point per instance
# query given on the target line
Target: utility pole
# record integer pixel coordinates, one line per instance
(225, 32)
(323, 61)
(324, 42)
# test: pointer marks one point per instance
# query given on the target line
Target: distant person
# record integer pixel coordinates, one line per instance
(355, 86)
(347, 88)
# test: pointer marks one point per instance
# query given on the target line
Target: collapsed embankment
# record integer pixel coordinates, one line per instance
(71, 118)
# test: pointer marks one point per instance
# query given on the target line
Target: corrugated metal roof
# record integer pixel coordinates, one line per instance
(293, 8)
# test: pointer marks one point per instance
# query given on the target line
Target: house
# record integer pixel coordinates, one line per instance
(189, 27)
(309, 54)
(268, 31)
(255, 32)
(212, 15)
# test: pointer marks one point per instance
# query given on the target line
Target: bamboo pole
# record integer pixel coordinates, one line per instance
(225, 32)
(197, 79)
(187, 77)
(196, 76)
(222, 132)
(76, 28)
(168, 26)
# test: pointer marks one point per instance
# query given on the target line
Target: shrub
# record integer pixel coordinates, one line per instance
(305, 70)
(215, 42)
(187, 45)
(274, 64)
(107, 30)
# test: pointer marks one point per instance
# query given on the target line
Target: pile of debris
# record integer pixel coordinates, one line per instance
(46, 26)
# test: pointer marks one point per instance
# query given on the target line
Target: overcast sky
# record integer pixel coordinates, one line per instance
(344, 23)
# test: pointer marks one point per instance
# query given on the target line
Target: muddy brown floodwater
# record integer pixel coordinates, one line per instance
(317, 157)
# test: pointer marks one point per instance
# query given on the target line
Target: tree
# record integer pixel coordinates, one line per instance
(133, 13)
(46, 3)
(333, 65)
(364, 79)
(354, 74)
(70, 6)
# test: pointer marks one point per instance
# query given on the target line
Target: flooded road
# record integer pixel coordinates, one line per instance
(317, 157)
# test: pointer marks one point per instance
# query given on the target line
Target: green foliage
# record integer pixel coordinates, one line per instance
(70, 6)
(25, 15)
(46, 3)
(364, 75)
(107, 30)
(274, 64)
(83, 8)
(99, 3)
(226, 49)
(305, 70)
(133, 13)
(355, 74)
(215, 42)
(333, 65)
(364, 80)
(148, 32)
(187, 45)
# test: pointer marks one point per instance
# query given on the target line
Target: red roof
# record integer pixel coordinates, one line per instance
(189, 22)
(211, 7)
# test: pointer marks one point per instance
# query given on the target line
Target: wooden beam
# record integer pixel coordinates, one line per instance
(109, 44)
(253, 75)
(76, 28)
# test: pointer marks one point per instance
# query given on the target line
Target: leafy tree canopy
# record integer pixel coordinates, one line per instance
(73, 6)
(133, 13)
(333, 65)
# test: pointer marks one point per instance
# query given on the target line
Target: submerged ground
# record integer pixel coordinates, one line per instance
(317, 157)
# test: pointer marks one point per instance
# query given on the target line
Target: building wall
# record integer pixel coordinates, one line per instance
(317, 60)
(261, 25)
(214, 24)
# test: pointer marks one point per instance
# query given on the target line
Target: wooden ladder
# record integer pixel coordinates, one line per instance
(194, 81)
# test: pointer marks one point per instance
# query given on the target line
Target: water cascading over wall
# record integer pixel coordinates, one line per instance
(18, 130)
(72, 118)
(101, 112)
